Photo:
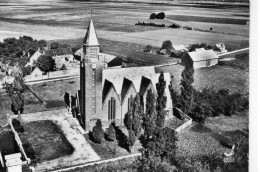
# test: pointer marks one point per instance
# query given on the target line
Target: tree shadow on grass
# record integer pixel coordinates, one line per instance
(123, 140)
(223, 140)
(200, 128)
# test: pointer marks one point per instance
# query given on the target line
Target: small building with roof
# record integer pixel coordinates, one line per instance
(200, 58)
(60, 55)
(181, 48)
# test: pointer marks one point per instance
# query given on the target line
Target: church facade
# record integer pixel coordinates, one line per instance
(106, 92)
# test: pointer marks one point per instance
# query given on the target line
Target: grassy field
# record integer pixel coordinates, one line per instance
(219, 77)
(198, 139)
(181, 36)
(46, 139)
(241, 61)
(115, 21)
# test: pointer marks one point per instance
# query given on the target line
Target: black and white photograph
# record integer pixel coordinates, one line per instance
(127, 86)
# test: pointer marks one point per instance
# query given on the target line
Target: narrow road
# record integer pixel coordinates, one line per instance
(51, 79)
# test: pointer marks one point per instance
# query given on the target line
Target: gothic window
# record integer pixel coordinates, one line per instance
(111, 108)
(130, 100)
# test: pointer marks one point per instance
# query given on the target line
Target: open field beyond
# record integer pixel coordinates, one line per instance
(116, 21)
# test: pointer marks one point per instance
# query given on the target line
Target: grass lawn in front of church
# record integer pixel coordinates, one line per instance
(46, 139)
(111, 149)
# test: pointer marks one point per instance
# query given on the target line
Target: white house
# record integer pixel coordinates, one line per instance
(199, 59)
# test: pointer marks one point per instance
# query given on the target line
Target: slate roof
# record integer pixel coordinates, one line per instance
(202, 55)
(13, 61)
(117, 61)
(127, 85)
(29, 53)
(27, 70)
(134, 74)
(91, 36)
(58, 52)
(144, 84)
(107, 90)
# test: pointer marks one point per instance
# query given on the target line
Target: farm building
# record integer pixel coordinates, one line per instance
(106, 92)
(181, 48)
(220, 48)
(200, 58)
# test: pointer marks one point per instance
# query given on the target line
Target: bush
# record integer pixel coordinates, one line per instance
(175, 26)
(132, 137)
(177, 54)
(111, 132)
(45, 63)
(160, 15)
(54, 45)
(17, 126)
(148, 48)
(97, 132)
(167, 45)
(153, 16)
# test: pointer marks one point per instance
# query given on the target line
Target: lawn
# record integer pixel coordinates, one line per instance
(199, 139)
(219, 77)
(111, 149)
(241, 61)
(46, 139)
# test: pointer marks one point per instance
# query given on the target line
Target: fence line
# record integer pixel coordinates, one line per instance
(19, 142)
(186, 124)
(232, 52)
(99, 162)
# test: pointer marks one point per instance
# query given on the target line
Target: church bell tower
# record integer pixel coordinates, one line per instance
(90, 78)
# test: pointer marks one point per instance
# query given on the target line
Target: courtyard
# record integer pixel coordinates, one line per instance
(83, 152)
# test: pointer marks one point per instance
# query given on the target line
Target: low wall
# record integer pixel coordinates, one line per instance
(186, 124)
(19, 142)
(54, 74)
(100, 162)
(233, 53)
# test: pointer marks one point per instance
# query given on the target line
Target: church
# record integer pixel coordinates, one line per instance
(106, 92)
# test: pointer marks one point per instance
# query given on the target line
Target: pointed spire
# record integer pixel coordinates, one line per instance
(91, 36)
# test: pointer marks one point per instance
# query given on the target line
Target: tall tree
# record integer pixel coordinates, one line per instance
(167, 45)
(54, 45)
(161, 100)
(46, 63)
(149, 120)
(133, 118)
(15, 91)
(175, 96)
(187, 89)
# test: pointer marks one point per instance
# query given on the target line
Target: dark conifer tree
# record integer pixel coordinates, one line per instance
(161, 100)
(187, 89)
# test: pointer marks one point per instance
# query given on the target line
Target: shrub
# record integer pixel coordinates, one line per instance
(132, 137)
(148, 48)
(177, 54)
(175, 25)
(153, 16)
(111, 132)
(45, 63)
(167, 45)
(54, 45)
(97, 132)
(17, 126)
(160, 15)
